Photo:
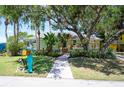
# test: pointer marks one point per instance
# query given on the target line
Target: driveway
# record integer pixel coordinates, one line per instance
(6, 81)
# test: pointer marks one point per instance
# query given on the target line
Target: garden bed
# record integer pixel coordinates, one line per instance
(41, 66)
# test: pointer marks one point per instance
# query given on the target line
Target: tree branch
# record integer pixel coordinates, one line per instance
(97, 19)
(114, 37)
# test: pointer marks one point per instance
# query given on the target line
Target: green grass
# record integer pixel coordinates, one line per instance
(8, 66)
(91, 71)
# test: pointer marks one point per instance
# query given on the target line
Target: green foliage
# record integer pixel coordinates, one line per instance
(44, 53)
(42, 64)
(14, 47)
(54, 54)
(2, 51)
(62, 39)
(77, 53)
(109, 21)
(92, 53)
(38, 53)
(50, 40)
(108, 53)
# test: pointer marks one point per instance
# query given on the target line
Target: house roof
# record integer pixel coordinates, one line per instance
(73, 35)
(95, 37)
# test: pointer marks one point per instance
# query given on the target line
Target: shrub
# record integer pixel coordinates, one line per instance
(108, 54)
(92, 53)
(38, 53)
(84, 53)
(77, 53)
(54, 54)
(2, 51)
(13, 47)
(74, 53)
(42, 64)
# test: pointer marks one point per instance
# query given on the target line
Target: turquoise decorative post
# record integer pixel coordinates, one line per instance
(29, 62)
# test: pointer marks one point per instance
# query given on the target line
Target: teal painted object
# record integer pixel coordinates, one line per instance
(29, 63)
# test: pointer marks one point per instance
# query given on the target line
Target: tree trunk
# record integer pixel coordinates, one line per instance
(6, 33)
(15, 23)
(6, 26)
(111, 39)
(80, 36)
(17, 30)
(36, 40)
(85, 43)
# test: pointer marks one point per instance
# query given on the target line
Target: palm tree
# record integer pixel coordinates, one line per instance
(36, 17)
(6, 27)
(50, 40)
(17, 13)
(11, 14)
(5, 13)
(63, 39)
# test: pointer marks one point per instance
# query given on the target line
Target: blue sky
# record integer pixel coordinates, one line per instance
(23, 28)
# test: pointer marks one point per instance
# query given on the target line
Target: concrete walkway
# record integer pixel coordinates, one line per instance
(6, 81)
(120, 57)
(61, 68)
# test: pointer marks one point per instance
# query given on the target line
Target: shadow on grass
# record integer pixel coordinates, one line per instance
(107, 66)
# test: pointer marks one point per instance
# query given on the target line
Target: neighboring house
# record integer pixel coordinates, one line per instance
(32, 44)
(73, 42)
(118, 45)
(95, 42)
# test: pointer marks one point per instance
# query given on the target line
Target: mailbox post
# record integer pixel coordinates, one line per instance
(29, 61)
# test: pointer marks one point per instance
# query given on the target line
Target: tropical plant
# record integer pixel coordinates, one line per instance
(15, 47)
(12, 14)
(5, 13)
(36, 18)
(12, 46)
(50, 40)
(63, 37)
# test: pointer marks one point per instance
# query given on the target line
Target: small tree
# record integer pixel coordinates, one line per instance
(14, 47)
(50, 40)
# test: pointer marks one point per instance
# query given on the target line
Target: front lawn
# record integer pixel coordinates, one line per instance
(8, 66)
(97, 69)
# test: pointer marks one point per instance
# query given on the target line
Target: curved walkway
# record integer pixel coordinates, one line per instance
(61, 68)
